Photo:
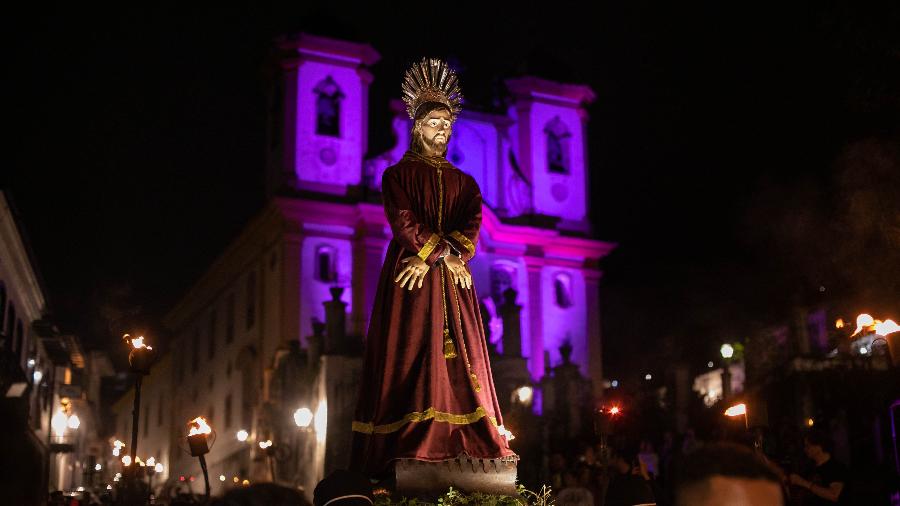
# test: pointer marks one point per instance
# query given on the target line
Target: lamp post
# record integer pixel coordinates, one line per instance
(140, 358)
(727, 351)
(199, 443)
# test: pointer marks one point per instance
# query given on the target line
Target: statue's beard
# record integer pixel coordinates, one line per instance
(420, 142)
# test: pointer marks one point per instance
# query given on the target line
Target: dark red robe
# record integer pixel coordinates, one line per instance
(415, 402)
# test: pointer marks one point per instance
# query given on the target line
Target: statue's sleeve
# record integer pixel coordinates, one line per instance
(414, 235)
(465, 238)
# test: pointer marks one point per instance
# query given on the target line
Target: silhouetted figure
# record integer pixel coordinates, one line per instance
(725, 474)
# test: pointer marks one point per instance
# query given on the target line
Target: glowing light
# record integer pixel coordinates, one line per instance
(863, 322)
(126, 460)
(321, 421)
(199, 426)
(242, 435)
(192, 479)
(158, 467)
(59, 422)
(80, 489)
(710, 364)
(245, 483)
(31, 362)
(505, 433)
(736, 410)
(235, 479)
(265, 444)
(117, 477)
(151, 462)
(73, 422)
(615, 383)
(810, 422)
(839, 324)
(614, 410)
(863, 351)
(648, 376)
(139, 462)
(109, 487)
(525, 394)
(98, 467)
(727, 351)
(886, 327)
(181, 478)
(221, 477)
(37, 376)
(303, 417)
(137, 342)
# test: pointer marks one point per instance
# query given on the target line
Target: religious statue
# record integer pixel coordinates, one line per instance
(427, 394)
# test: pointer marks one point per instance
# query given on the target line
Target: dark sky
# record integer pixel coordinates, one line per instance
(742, 157)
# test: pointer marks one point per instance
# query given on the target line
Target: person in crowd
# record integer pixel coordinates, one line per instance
(262, 494)
(723, 474)
(629, 483)
(826, 482)
(573, 492)
(649, 458)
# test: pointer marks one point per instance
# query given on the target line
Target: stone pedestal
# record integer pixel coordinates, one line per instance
(416, 478)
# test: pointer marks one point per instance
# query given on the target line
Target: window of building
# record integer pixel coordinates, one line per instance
(326, 263)
(211, 336)
(562, 287)
(328, 108)
(502, 277)
(557, 136)
(251, 300)
(228, 411)
(229, 318)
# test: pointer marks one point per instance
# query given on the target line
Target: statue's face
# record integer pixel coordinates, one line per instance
(435, 130)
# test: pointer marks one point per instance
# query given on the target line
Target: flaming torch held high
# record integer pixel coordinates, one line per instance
(888, 329)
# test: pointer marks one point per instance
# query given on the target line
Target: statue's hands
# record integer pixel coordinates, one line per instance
(458, 272)
(415, 270)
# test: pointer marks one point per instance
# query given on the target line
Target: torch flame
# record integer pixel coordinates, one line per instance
(886, 327)
(614, 410)
(199, 426)
(736, 410)
(137, 342)
(864, 322)
(839, 324)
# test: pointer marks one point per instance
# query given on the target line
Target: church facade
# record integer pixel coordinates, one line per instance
(276, 323)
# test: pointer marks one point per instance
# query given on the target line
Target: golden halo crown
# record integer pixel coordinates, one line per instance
(431, 80)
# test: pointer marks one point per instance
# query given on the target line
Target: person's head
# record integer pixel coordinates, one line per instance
(725, 474)
(344, 488)
(623, 459)
(817, 445)
(431, 130)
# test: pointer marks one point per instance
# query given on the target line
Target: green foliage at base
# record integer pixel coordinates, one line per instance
(457, 498)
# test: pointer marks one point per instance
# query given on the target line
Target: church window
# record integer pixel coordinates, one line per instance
(562, 289)
(326, 264)
(328, 107)
(502, 278)
(557, 146)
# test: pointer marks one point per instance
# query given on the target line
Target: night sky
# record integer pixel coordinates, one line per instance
(746, 160)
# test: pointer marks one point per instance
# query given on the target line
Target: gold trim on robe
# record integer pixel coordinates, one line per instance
(421, 416)
(464, 241)
(429, 246)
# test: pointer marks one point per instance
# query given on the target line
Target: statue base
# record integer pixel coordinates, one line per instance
(417, 478)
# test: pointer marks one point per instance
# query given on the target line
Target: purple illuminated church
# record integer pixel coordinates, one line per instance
(305, 270)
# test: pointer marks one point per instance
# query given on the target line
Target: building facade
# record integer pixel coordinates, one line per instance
(277, 322)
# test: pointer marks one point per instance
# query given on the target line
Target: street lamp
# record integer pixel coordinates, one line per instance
(303, 417)
(140, 358)
(242, 435)
(727, 351)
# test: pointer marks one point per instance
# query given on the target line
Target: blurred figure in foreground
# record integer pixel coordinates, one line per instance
(726, 474)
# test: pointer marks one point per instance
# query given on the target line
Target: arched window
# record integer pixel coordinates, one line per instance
(328, 108)
(557, 146)
(326, 264)
(502, 277)
(562, 289)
